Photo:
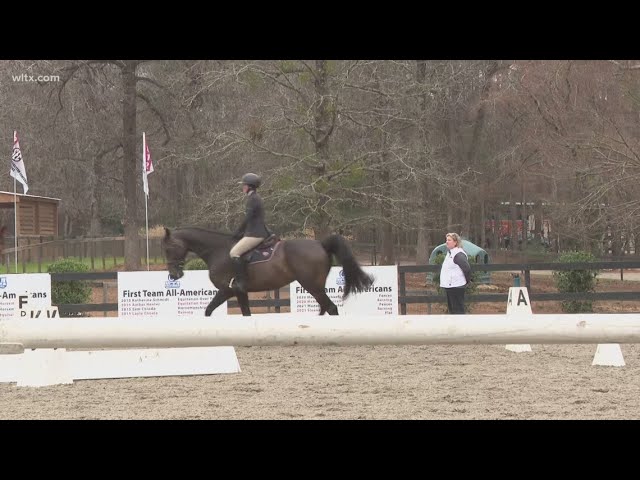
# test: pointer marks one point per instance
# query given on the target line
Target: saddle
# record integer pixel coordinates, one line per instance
(264, 251)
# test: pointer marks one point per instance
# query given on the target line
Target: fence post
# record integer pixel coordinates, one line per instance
(403, 292)
(104, 267)
(268, 297)
(92, 250)
(527, 278)
(276, 296)
(40, 255)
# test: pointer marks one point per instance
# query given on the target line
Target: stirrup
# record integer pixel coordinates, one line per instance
(233, 284)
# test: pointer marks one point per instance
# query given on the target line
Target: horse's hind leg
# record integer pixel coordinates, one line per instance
(326, 305)
(316, 288)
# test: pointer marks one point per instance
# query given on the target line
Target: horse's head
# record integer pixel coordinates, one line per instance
(175, 252)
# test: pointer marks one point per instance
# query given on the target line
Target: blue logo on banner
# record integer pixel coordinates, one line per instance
(340, 280)
(3, 282)
(171, 283)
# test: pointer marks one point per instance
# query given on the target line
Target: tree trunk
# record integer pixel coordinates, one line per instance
(323, 129)
(465, 231)
(449, 219)
(388, 253)
(129, 168)
(539, 219)
(525, 226)
(68, 225)
(388, 256)
(496, 228)
(483, 233)
(513, 242)
(95, 227)
(179, 194)
(424, 237)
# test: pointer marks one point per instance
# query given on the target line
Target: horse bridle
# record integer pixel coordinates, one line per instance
(177, 263)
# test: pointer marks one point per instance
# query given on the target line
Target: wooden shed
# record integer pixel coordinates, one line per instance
(36, 215)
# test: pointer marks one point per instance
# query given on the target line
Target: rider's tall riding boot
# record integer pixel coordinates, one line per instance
(240, 270)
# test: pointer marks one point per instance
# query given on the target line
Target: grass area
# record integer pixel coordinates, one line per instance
(110, 264)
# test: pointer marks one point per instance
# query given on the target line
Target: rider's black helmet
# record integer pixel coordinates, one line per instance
(251, 179)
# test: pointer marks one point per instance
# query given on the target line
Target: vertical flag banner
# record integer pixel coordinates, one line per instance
(17, 165)
(147, 164)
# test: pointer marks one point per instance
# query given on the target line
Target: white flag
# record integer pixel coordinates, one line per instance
(17, 165)
(147, 164)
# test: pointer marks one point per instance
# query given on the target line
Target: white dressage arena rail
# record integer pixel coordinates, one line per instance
(290, 329)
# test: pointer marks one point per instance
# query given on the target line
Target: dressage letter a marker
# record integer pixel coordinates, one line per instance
(521, 298)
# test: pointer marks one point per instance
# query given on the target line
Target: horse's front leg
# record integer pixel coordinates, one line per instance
(218, 300)
(243, 301)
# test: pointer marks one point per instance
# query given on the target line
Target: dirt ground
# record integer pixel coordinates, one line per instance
(369, 382)
(366, 382)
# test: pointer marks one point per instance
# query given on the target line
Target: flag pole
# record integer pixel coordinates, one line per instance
(146, 209)
(146, 214)
(15, 221)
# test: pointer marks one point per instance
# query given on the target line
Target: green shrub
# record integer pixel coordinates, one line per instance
(576, 281)
(196, 264)
(69, 292)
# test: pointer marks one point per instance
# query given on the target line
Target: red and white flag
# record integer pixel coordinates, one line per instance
(147, 164)
(17, 165)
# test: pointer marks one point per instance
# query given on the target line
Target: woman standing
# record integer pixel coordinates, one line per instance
(455, 273)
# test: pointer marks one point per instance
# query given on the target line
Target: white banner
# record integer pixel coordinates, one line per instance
(380, 299)
(25, 291)
(154, 294)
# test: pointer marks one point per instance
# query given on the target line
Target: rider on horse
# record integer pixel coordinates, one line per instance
(251, 232)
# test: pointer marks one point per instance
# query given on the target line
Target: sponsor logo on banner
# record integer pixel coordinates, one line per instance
(171, 283)
(3, 282)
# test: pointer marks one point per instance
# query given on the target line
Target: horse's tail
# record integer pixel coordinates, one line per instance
(356, 280)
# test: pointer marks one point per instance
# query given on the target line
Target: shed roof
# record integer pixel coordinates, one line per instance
(8, 198)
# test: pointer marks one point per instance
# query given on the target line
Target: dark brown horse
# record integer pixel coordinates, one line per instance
(305, 260)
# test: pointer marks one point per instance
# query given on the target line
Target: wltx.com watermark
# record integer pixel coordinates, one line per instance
(25, 77)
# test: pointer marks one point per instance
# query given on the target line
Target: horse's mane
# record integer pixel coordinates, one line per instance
(204, 230)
